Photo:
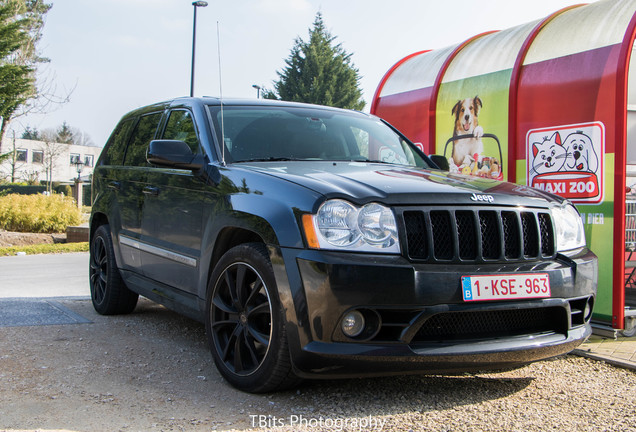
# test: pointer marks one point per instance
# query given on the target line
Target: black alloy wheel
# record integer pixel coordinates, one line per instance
(109, 293)
(244, 322)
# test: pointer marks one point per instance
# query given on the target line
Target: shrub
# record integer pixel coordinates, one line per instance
(15, 188)
(38, 213)
(63, 189)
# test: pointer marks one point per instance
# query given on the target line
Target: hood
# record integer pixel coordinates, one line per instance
(363, 182)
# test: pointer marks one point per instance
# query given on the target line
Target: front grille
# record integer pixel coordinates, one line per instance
(478, 235)
(487, 324)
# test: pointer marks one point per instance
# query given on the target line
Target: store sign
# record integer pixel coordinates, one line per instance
(568, 161)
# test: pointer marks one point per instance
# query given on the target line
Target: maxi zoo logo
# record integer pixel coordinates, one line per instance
(568, 161)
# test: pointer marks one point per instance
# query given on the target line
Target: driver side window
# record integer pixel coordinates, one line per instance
(180, 127)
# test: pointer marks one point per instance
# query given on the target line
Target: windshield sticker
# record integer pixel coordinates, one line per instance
(391, 156)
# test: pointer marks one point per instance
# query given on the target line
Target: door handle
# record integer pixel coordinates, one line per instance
(115, 185)
(149, 190)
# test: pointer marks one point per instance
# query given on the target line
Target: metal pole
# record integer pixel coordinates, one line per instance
(194, 39)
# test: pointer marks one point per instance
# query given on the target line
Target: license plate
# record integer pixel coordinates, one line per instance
(505, 287)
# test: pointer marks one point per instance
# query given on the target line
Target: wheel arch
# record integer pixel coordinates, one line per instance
(230, 237)
(97, 219)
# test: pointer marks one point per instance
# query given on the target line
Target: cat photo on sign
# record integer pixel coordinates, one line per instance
(568, 161)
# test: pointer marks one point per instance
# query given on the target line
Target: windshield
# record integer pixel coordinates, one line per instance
(269, 133)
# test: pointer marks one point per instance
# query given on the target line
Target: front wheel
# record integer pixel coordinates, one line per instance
(244, 322)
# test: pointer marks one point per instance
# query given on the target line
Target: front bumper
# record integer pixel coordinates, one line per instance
(423, 324)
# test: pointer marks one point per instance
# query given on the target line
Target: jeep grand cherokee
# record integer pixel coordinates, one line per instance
(319, 242)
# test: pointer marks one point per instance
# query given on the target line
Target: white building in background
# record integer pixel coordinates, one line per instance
(32, 160)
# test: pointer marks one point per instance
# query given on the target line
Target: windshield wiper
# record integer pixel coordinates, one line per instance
(371, 161)
(270, 159)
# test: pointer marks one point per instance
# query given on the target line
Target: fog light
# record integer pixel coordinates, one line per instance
(353, 323)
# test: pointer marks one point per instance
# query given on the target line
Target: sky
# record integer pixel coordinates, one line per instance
(116, 55)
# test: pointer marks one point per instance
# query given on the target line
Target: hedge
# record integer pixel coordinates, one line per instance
(22, 190)
(33, 190)
(38, 213)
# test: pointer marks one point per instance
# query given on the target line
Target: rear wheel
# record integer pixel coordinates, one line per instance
(244, 322)
(109, 293)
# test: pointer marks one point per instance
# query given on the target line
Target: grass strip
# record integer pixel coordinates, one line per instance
(45, 248)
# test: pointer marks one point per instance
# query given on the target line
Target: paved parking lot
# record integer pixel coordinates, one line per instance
(152, 370)
(54, 275)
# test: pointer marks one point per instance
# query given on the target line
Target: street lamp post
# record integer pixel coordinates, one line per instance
(78, 182)
(258, 91)
(196, 4)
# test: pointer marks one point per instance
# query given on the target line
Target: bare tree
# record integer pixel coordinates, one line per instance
(82, 138)
(51, 151)
(14, 156)
(31, 177)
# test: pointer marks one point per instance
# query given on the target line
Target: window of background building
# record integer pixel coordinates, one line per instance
(37, 156)
(88, 160)
(21, 155)
(75, 158)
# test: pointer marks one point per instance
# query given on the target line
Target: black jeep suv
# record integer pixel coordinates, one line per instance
(319, 242)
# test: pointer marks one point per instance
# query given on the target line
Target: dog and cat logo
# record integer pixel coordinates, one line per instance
(568, 161)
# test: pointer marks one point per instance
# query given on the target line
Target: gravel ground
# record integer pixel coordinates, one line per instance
(151, 371)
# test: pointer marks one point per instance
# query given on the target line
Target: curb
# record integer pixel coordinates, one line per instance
(626, 364)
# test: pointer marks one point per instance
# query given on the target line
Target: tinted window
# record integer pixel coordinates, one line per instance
(269, 133)
(114, 153)
(142, 135)
(180, 127)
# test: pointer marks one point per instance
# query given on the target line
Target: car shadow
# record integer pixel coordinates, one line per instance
(383, 395)
(408, 393)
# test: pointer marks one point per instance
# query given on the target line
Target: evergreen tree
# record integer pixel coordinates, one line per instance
(31, 134)
(64, 134)
(21, 22)
(319, 72)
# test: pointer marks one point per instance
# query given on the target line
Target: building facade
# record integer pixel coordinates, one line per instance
(35, 161)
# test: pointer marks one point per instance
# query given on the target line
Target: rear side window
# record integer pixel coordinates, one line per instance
(116, 145)
(180, 127)
(142, 135)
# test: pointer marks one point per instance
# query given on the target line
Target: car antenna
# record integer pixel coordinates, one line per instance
(218, 41)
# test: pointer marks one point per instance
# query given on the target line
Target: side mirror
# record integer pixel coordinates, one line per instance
(441, 162)
(173, 154)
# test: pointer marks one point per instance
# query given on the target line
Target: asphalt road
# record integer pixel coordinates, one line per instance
(54, 275)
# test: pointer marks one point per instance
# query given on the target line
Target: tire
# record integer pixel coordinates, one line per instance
(629, 333)
(109, 293)
(244, 322)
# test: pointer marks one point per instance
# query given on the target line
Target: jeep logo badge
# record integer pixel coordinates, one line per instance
(482, 198)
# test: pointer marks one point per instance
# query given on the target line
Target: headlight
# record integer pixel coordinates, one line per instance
(569, 228)
(341, 225)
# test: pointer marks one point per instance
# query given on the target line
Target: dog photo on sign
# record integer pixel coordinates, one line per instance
(470, 149)
(467, 155)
